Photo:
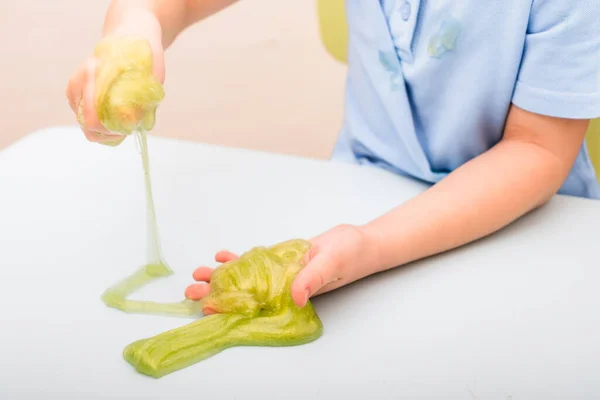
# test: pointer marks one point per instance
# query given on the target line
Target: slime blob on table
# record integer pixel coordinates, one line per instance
(251, 296)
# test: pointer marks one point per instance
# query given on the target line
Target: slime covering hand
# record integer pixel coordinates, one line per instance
(252, 298)
(126, 92)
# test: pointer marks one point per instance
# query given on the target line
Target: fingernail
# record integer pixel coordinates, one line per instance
(208, 311)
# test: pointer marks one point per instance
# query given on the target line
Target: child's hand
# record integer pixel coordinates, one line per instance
(81, 86)
(337, 257)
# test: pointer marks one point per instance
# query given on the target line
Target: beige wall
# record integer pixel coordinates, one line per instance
(254, 76)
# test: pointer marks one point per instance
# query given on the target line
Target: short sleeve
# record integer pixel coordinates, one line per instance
(559, 74)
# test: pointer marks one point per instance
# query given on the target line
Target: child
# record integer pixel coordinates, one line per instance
(487, 100)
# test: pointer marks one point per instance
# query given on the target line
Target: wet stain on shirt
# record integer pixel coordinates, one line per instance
(444, 40)
(389, 61)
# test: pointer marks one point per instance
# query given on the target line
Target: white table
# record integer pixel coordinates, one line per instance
(514, 316)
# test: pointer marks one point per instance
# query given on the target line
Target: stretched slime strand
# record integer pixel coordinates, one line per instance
(116, 296)
(154, 252)
(126, 98)
(254, 308)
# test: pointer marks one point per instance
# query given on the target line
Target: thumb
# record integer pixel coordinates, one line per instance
(318, 272)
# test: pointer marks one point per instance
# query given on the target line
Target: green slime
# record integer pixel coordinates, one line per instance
(126, 92)
(251, 295)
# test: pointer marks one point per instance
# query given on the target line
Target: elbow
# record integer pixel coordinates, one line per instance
(557, 170)
(549, 147)
(547, 167)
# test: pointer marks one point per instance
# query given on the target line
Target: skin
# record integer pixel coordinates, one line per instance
(519, 174)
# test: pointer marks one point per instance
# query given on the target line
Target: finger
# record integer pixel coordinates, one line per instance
(90, 114)
(92, 136)
(320, 271)
(329, 287)
(113, 142)
(197, 291)
(98, 137)
(208, 311)
(158, 64)
(202, 274)
(225, 256)
(75, 88)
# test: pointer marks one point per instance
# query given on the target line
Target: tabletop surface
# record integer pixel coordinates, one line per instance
(513, 316)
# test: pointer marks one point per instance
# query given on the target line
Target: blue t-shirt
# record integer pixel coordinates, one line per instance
(430, 82)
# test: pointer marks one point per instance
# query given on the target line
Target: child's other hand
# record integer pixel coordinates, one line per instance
(80, 88)
(337, 257)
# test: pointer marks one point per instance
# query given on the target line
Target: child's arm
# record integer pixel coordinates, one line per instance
(173, 16)
(520, 173)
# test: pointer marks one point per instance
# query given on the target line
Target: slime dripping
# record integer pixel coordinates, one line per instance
(251, 295)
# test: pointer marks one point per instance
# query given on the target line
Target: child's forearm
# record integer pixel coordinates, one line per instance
(481, 197)
(173, 16)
